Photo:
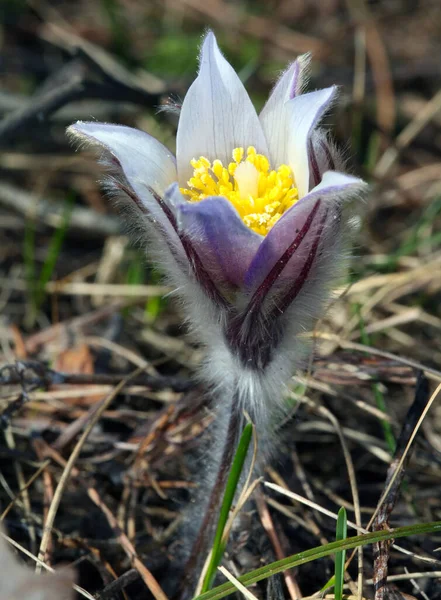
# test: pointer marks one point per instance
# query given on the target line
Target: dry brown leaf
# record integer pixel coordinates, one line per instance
(78, 359)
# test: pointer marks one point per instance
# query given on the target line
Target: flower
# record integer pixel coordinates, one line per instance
(248, 221)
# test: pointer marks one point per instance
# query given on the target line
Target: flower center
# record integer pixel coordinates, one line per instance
(260, 195)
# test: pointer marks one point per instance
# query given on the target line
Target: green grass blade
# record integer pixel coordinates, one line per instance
(340, 557)
(378, 394)
(36, 283)
(53, 252)
(230, 491)
(302, 558)
(29, 261)
(373, 151)
(121, 40)
(154, 305)
(337, 580)
(387, 428)
(418, 237)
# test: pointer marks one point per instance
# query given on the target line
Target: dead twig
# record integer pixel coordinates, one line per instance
(395, 475)
(112, 589)
(34, 374)
(268, 524)
(128, 547)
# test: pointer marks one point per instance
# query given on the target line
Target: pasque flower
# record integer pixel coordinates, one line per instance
(248, 221)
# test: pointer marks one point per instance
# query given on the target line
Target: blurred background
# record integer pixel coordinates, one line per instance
(77, 297)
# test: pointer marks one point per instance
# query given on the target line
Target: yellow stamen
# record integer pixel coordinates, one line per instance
(260, 195)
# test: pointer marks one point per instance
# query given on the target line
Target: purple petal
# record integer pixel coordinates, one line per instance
(217, 114)
(334, 189)
(173, 203)
(300, 73)
(144, 162)
(224, 243)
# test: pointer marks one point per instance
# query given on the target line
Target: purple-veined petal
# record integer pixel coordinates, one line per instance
(217, 114)
(256, 331)
(274, 115)
(305, 112)
(334, 189)
(144, 169)
(225, 245)
(304, 277)
(144, 162)
(173, 203)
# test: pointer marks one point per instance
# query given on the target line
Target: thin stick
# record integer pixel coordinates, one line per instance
(25, 487)
(406, 136)
(345, 345)
(399, 467)
(268, 524)
(237, 584)
(36, 375)
(129, 549)
(381, 550)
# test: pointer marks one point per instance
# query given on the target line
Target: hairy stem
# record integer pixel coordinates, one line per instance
(201, 545)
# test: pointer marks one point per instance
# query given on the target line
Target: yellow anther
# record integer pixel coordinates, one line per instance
(232, 168)
(260, 195)
(238, 154)
(271, 208)
(217, 168)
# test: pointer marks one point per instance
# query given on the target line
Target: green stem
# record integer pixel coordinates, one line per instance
(340, 557)
(302, 558)
(230, 491)
(200, 546)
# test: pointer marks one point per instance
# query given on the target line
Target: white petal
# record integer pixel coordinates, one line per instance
(338, 183)
(274, 115)
(305, 113)
(141, 156)
(144, 162)
(217, 114)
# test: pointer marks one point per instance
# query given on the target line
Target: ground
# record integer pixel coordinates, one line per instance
(99, 476)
